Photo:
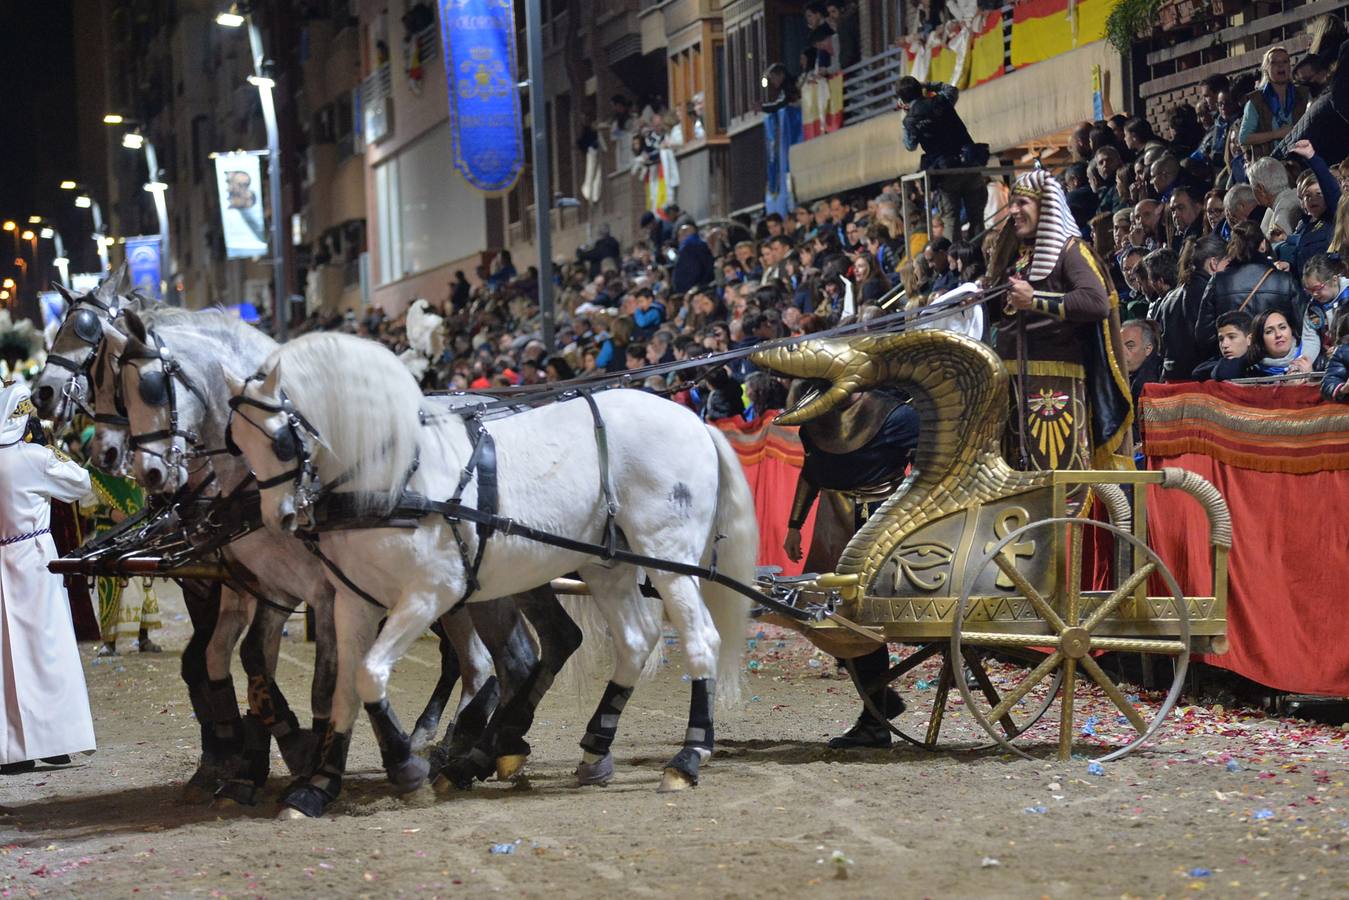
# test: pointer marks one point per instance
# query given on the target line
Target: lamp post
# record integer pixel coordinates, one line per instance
(85, 200)
(240, 14)
(135, 140)
(47, 231)
(543, 196)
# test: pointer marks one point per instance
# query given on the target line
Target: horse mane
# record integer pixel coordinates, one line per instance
(363, 402)
(244, 342)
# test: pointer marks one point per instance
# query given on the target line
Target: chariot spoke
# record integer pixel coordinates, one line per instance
(914, 659)
(1066, 709)
(939, 702)
(1115, 694)
(1028, 591)
(1073, 589)
(1037, 675)
(1138, 645)
(1115, 599)
(976, 667)
(992, 639)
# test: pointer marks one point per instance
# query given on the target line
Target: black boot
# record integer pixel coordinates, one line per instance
(18, 768)
(868, 731)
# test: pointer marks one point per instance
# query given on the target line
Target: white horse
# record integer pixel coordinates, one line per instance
(344, 412)
(171, 379)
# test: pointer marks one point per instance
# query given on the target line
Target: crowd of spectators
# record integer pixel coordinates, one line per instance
(1222, 230)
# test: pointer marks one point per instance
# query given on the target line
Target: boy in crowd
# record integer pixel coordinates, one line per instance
(1234, 343)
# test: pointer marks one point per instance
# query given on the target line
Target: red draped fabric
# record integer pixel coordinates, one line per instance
(771, 456)
(1288, 571)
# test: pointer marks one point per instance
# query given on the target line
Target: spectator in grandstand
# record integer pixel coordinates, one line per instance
(1274, 192)
(1249, 282)
(1186, 216)
(1319, 193)
(1178, 311)
(1328, 289)
(1337, 368)
(1277, 349)
(1234, 344)
(1273, 107)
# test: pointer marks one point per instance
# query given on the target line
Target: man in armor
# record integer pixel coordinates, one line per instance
(855, 457)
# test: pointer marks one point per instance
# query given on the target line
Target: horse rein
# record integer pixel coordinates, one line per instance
(157, 390)
(87, 326)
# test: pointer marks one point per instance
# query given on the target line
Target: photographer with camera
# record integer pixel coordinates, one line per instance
(932, 123)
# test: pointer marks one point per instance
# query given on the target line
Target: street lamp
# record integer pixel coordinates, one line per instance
(83, 200)
(237, 15)
(9, 225)
(135, 140)
(48, 232)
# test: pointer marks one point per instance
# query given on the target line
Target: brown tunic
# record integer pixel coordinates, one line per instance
(1074, 322)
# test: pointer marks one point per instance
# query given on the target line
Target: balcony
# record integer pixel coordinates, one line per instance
(1003, 106)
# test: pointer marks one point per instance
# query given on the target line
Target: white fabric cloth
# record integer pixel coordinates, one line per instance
(968, 321)
(46, 706)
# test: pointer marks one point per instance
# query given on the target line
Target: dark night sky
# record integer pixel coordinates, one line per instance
(37, 108)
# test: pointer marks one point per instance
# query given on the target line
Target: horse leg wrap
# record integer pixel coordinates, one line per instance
(597, 765)
(406, 772)
(698, 739)
(266, 701)
(251, 777)
(314, 795)
(460, 758)
(225, 715)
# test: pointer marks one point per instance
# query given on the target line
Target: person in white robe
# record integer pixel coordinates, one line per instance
(45, 710)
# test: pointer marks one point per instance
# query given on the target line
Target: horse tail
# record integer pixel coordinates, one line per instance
(735, 543)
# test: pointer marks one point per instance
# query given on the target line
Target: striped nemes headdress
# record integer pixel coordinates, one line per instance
(1056, 226)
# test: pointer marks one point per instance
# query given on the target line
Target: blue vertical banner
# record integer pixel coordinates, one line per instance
(781, 129)
(142, 259)
(478, 44)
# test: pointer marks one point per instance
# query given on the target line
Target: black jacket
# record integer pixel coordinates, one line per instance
(694, 265)
(605, 248)
(1337, 375)
(1223, 369)
(1228, 290)
(933, 124)
(1176, 316)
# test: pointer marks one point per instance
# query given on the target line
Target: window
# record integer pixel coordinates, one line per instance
(427, 214)
(686, 89)
(747, 62)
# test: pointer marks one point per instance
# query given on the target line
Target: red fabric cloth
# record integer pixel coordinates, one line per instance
(1279, 456)
(1286, 599)
(771, 456)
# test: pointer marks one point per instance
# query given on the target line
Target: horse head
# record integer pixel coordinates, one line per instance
(63, 385)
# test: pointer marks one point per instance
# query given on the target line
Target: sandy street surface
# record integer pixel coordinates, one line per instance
(1233, 805)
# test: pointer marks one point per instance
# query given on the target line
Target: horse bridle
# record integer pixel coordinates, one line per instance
(288, 444)
(157, 390)
(88, 327)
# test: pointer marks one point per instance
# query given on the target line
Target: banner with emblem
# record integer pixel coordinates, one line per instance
(478, 45)
(142, 260)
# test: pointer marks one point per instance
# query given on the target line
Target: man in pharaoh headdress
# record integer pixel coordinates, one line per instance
(1060, 337)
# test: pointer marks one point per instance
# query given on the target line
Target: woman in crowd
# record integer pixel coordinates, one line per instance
(1277, 350)
(1249, 282)
(870, 281)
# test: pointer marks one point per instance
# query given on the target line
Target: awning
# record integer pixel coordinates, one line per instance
(1006, 112)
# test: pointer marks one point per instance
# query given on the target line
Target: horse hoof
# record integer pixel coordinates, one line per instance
(674, 780)
(290, 814)
(409, 774)
(446, 788)
(600, 772)
(510, 767)
(196, 795)
(226, 804)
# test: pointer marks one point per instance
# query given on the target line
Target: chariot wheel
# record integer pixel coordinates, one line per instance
(1068, 625)
(934, 720)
